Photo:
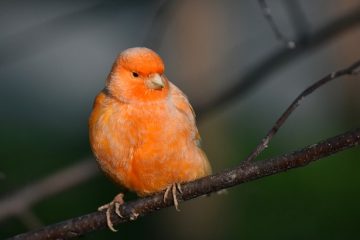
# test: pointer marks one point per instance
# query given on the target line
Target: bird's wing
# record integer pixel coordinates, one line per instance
(183, 105)
(181, 102)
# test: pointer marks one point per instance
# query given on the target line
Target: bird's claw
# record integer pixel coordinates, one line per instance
(174, 188)
(117, 202)
(117, 209)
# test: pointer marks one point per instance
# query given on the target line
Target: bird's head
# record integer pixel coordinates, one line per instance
(138, 75)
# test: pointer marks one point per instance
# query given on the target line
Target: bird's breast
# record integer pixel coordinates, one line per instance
(145, 146)
(159, 123)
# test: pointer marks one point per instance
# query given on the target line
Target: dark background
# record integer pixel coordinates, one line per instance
(55, 57)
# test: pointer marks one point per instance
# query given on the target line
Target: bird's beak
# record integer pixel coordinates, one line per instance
(155, 81)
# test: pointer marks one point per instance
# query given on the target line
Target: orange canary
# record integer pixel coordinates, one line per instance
(142, 128)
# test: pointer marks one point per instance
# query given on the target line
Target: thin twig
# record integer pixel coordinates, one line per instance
(280, 58)
(265, 141)
(244, 173)
(275, 29)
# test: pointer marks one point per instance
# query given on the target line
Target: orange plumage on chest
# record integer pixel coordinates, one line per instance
(142, 128)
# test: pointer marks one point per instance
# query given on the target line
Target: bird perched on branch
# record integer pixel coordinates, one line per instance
(143, 131)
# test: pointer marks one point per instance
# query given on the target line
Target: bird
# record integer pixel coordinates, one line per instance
(142, 130)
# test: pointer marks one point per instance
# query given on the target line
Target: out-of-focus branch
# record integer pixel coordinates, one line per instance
(280, 58)
(22, 200)
(297, 16)
(351, 70)
(274, 27)
(29, 219)
(159, 24)
(244, 173)
(14, 47)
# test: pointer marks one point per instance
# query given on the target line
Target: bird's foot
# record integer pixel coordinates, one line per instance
(173, 188)
(117, 202)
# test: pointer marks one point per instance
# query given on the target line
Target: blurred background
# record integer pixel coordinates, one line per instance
(55, 57)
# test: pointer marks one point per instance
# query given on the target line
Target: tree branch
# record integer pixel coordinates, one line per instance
(244, 173)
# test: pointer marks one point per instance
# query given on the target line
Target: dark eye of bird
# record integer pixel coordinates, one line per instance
(135, 74)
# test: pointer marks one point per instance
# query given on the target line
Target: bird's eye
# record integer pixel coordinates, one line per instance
(135, 74)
